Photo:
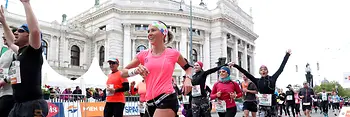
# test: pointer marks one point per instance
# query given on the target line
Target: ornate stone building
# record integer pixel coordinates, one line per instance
(118, 28)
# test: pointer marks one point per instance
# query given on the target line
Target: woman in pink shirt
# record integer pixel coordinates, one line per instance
(141, 90)
(297, 103)
(157, 66)
(226, 91)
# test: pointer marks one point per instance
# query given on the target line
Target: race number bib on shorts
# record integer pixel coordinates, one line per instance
(186, 99)
(142, 107)
(220, 106)
(289, 97)
(280, 102)
(196, 91)
(265, 99)
(306, 103)
(15, 73)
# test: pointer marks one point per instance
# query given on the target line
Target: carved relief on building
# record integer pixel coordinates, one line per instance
(100, 43)
(76, 42)
(46, 37)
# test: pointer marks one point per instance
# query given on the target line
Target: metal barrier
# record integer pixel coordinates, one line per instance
(75, 105)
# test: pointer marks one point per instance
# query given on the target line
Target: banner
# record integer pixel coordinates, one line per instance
(55, 110)
(71, 109)
(131, 108)
(92, 109)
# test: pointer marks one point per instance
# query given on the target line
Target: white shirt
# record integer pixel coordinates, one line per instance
(5, 62)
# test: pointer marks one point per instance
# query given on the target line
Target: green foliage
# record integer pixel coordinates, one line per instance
(331, 87)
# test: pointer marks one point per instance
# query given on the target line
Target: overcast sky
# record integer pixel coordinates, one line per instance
(315, 30)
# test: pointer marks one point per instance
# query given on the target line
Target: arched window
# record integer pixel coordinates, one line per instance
(140, 48)
(44, 47)
(195, 55)
(75, 55)
(102, 55)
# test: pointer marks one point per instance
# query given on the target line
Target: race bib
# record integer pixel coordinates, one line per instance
(15, 73)
(186, 99)
(289, 97)
(280, 102)
(221, 106)
(335, 101)
(306, 104)
(142, 107)
(324, 97)
(108, 93)
(196, 91)
(265, 99)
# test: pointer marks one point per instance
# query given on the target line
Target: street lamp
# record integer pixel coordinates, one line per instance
(191, 32)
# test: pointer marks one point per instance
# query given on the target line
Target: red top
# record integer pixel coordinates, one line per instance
(226, 88)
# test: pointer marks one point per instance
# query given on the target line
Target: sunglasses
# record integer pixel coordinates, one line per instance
(112, 63)
(21, 30)
(222, 71)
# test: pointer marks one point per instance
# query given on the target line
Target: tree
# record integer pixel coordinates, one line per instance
(330, 87)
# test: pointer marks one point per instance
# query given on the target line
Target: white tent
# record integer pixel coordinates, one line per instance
(52, 78)
(94, 77)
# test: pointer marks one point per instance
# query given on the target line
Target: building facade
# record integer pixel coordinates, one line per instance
(118, 28)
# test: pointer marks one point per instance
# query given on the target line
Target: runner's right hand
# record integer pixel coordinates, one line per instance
(218, 94)
(2, 83)
(2, 15)
(142, 70)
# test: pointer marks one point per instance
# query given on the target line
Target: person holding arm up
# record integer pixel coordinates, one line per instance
(25, 70)
(157, 66)
(267, 84)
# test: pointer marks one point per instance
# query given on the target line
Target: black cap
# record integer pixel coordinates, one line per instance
(289, 86)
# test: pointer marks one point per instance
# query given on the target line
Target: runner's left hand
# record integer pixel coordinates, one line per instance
(187, 85)
(111, 90)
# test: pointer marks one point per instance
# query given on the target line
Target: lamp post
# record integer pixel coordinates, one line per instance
(191, 24)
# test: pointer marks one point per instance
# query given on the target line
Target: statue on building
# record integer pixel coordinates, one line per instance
(309, 77)
(97, 2)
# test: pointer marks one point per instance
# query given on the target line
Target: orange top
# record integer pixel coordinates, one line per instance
(116, 80)
(245, 85)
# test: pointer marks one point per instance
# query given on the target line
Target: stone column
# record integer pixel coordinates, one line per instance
(206, 54)
(126, 45)
(236, 54)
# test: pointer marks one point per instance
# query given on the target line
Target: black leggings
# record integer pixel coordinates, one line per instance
(292, 105)
(282, 107)
(297, 108)
(324, 107)
(230, 112)
(115, 109)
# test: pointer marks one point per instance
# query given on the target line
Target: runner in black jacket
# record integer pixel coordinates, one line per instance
(200, 102)
(267, 84)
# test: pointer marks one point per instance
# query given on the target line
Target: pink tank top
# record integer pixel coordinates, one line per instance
(161, 69)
